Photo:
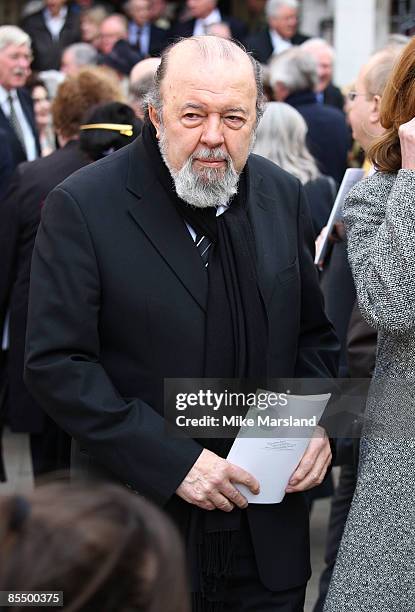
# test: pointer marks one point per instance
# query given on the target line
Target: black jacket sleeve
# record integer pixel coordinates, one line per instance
(63, 370)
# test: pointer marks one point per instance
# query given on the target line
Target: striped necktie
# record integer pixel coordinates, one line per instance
(14, 122)
(203, 244)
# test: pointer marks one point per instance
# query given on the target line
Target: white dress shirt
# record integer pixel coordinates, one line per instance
(201, 25)
(29, 139)
(219, 211)
(55, 24)
(279, 44)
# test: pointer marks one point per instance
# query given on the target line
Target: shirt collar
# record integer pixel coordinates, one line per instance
(4, 94)
(213, 17)
(62, 14)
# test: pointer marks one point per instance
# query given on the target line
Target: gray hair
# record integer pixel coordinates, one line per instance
(84, 54)
(295, 69)
(317, 43)
(281, 138)
(140, 88)
(273, 6)
(12, 35)
(208, 47)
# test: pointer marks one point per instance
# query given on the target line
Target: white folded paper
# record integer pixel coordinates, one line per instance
(273, 445)
(351, 177)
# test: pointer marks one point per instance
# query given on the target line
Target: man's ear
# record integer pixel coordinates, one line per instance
(154, 118)
(374, 115)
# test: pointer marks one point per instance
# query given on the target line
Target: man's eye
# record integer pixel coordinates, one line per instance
(192, 116)
(234, 119)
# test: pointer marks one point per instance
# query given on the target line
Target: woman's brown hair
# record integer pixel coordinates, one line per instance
(397, 107)
(77, 94)
(106, 549)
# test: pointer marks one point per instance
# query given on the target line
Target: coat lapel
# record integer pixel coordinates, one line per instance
(157, 217)
(266, 224)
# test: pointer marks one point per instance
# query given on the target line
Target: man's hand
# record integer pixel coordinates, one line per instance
(313, 466)
(209, 484)
(407, 140)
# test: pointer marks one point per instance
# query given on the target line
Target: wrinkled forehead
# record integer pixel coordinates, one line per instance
(216, 68)
(12, 48)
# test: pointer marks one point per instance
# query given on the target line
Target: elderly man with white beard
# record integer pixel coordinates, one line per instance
(183, 256)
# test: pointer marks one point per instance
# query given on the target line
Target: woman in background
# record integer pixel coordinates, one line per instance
(107, 128)
(43, 116)
(281, 138)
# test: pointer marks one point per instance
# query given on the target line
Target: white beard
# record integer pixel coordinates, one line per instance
(207, 188)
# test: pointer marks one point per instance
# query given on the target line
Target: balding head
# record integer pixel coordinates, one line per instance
(204, 105)
(113, 28)
(141, 82)
(144, 68)
(364, 110)
(213, 53)
(323, 53)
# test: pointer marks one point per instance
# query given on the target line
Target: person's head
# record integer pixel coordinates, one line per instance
(199, 9)
(76, 56)
(364, 108)
(139, 11)
(15, 57)
(221, 29)
(256, 7)
(323, 53)
(107, 128)
(157, 9)
(113, 28)
(282, 17)
(121, 59)
(54, 6)
(141, 82)
(105, 548)
(281, 138)
(90, 22)
(205, 105)
(41, 103)
(292, 71)
(79, 93)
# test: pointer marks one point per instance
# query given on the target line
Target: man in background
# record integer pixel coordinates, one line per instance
(144, 35)
(323, 53)
(16, 108)
(141, 82)
(78, 56)
(205, 13)
(281, 32)
(113, 28)
(52, 29)
(294, 78)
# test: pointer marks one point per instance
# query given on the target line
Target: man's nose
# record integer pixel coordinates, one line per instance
(212, 135)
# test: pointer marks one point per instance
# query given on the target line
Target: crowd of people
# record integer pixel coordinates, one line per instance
(166, 170)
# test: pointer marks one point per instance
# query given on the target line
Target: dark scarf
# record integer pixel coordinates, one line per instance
(235, 347)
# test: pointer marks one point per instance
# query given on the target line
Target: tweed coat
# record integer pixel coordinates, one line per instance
(375, 568)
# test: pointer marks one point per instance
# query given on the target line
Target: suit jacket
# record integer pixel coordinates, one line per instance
(159, 39)
(6, 162)
(260, 44)
(19, 220)
(118, 303)
(47, 52)
(185, 29)
(333, 96)
(13, 148)
(328, 136)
